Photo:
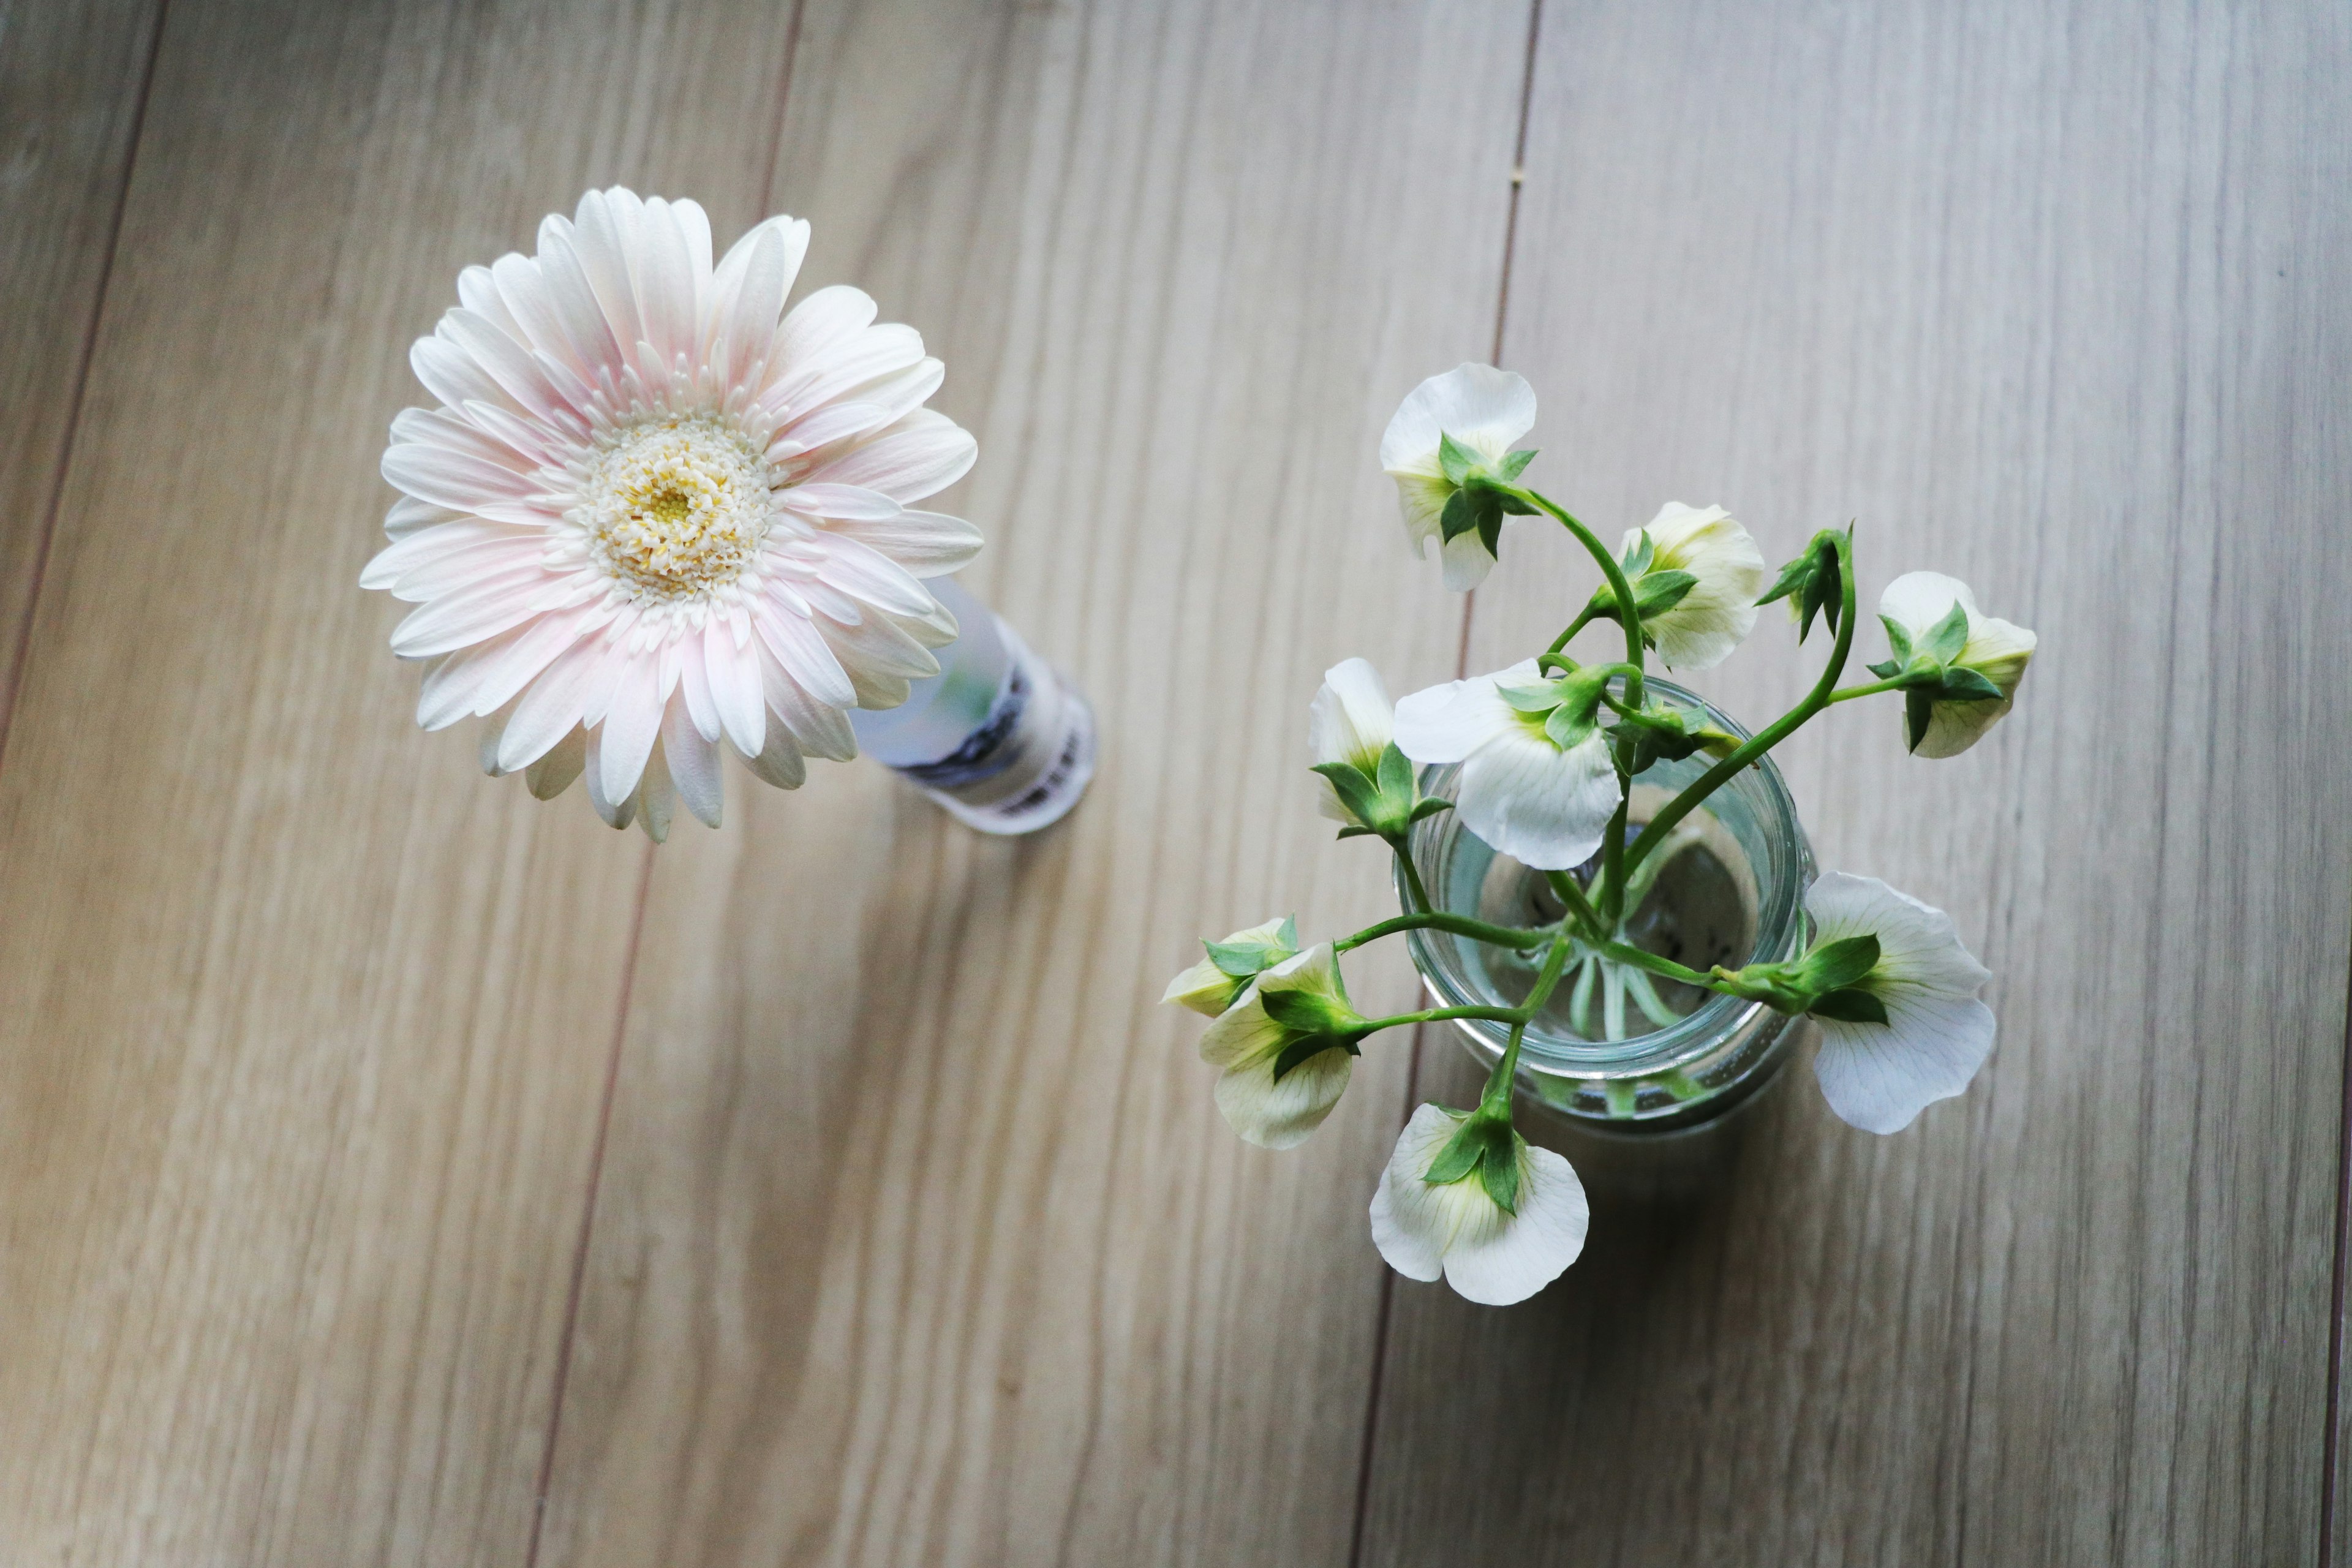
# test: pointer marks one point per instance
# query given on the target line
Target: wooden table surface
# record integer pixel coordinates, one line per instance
(396, 1171)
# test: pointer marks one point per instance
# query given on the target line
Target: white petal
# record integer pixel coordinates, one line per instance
(1512, 1257)
(574, 299)
(842, 368)
(804, 656)
(923, 454)
(552, 705)
(1282, 1115)
(435, 542)
(1480, 407)
(552, 773)
(407, 515)
(1352, 719)
(1718, 612)
(1466, 562)
(1918, 945)
(693, 763)
(451, 479)
(603, 255)
(1445, 723)
(1917, 600)
(780, 765)
(874, 578)
(1410, 1228)
(733, 677)
(632, 723)
(656, 797)
(616, 813)
(829, 317)
(1879, 1077)
(921, 544)
(1544, 807)
(817, 727)
(483, 611)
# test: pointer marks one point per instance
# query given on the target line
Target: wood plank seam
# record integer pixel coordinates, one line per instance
(588, 1207)
(13, 678)
(2328, 1438)
(1381, 1318)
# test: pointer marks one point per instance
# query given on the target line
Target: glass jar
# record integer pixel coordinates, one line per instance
(999, 739)
(1727, 886)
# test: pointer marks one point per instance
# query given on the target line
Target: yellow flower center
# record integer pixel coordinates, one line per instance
(676, 507)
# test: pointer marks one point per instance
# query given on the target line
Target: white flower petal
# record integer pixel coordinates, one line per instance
(1481, 407)
(819, 728)
(1509, 1258)
(1879, 1077)
(1918, 945)
(693, 763)
(1352, 719)
(1409, 1226)
(779, 764)
(1917, 600)
(632, 723)
(804, 656)
(1465, 562)
(551, 774)
(553, 704)
(1445, 723)
(1282, 1115)
(923, 454)
(1718, 612)
(1544, 807)
(921, 544)
(731, 675)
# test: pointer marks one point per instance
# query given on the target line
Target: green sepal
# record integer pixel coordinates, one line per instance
(1460, 516)
(1489, 1146)
(1943, 642)
(1395, 777)
(1247, 960)
(1567, 727)
(1659, 592)
(1457, 461)
(1850, 1005)
(1309, 1012)
(1307, 1048)
(1793, 577)
(1430, 806)
(1514, 464)
(1490, 527)
(1532, 696)
(1358, 833)
(1886, 671)
(1918, 710)
(1815, 581)
(1966, 685)
(1835, 966)
(1358, 794)
(1898, 644)
(1636, 560)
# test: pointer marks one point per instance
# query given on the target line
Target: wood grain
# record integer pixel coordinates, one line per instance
(72, 83)
(308, 1022)
(2054, 299)
(920, 1240)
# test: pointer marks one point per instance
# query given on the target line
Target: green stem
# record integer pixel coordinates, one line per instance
(1583, 618)
(1772, 734)
(1635, 958)
(1421, 900)
(1628, 615)
(1572, 895)
(1517, 940)
(1437, 1015)
(1496, 1101)
(1873, 689)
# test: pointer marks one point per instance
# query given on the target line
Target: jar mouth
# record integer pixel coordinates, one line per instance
(1755, 809)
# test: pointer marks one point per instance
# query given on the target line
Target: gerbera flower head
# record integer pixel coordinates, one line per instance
(656, 519)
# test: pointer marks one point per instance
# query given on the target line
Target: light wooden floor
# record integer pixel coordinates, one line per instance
(393, 1170)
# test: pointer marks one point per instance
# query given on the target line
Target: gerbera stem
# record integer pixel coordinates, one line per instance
(1458, 925)
(1770, 736)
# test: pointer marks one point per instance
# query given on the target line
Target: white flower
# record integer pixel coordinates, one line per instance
(1543, 806)
(1919, 602)
(1350, 721)
(1248, 1044)
(1206, 988)
(652, 522)
(1457, 1229)
(1879, 1077)
(1699, 631)
(1485, 410)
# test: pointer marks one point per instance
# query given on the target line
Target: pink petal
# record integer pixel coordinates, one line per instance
(821, 728)
(693, 764)
(804, 655)
(873, 577)
(734, 677)
(923, 543)
(448, 625)
(552, 706)
(924, 455)
(632, 720)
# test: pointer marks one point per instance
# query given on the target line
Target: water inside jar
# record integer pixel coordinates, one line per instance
(1694, 903)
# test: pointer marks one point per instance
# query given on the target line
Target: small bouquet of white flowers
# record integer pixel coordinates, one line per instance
(1544, 755)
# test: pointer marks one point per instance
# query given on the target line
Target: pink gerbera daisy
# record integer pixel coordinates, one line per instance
(656, 519)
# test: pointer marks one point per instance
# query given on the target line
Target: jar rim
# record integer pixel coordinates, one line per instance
(1778, 931)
